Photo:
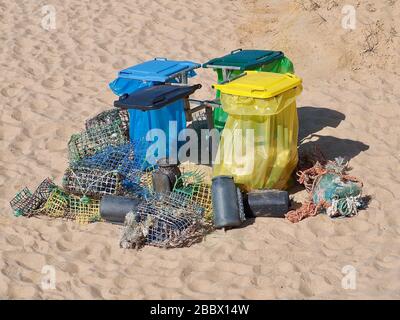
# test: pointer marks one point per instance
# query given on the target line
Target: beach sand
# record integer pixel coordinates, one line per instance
(51, 81)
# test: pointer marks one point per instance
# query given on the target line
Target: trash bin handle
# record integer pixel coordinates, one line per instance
(233, 78)
(236, 51)
(261, 90)
(160, 59)
(159, 99)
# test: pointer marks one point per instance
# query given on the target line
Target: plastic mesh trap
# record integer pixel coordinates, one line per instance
(63, 205)
(91, 182)
(192, 184)
(57, 206)
(128, 160)
(95, 139)
(109, 117)
(83, 211)
(25, 203)
(164, 220)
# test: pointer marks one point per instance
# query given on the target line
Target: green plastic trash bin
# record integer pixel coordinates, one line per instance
(230, 66)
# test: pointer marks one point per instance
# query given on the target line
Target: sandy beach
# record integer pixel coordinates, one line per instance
(51, 81)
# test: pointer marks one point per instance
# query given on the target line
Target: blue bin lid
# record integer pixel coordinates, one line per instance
(244, 59)
(155, 97)
(159, 69)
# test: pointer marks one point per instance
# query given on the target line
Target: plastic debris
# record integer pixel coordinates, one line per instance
(331, 191)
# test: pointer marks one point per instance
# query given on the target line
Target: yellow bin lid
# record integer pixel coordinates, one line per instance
(262, 85)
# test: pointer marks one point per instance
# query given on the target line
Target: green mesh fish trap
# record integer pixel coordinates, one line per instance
(193, 185)
(189, 183)
(27, 203)
(108, 117)
(164, 220)
(95, 139)
(91, 182)
(24, 203)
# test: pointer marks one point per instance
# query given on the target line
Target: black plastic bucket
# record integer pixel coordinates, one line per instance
(227, 203)
(267, 203)
(165, 176)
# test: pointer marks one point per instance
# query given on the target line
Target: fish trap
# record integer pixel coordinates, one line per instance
(108, 117)
(128, 160)
(204, 170)
(24, 203)
(202, 197)
(92, 182)
(95, 139)
(189, 183)
(57, 205)
(164, 220)
(27, 203)
(60, 204)
(84, 210)
(192, 185)
(44, 189)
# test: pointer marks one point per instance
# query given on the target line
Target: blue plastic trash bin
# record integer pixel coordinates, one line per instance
(147, 74)
(157, 107)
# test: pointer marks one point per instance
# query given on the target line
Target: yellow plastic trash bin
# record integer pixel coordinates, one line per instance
(258, 146)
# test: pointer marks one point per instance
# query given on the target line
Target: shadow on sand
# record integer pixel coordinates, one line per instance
(314, 119)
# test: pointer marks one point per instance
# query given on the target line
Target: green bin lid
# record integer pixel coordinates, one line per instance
(244, 59)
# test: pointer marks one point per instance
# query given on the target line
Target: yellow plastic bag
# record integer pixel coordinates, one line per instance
(258, 146)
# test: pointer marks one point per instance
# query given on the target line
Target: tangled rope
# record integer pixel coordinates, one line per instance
(335, 207)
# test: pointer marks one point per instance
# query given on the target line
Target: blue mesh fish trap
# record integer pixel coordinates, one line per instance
(129, 160)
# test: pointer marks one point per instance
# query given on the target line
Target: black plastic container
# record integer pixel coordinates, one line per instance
(165, 176)
(114, 208)
(227, 203)
(267, 203)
